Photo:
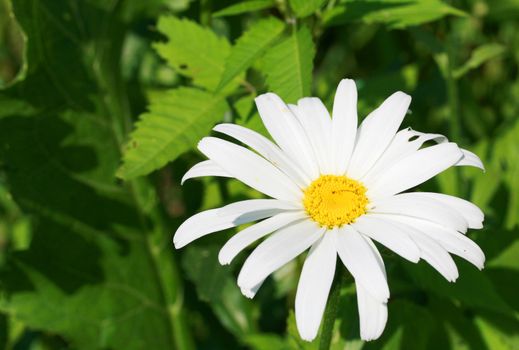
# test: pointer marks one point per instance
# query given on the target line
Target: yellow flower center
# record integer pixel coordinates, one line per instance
(335, 200)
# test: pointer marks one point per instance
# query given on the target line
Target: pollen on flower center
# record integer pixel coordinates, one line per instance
(335, 200)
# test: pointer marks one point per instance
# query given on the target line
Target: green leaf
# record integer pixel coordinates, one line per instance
(244, 107)
(93, 272)
(250, 46)
(216, 285)
(303, 8)
(78, 257)
(479, 56)
(174, 124)
(243, 7)
(265, 342)
(288, 66)
(500, 336)
(409, 326)
(473, 288)
(394, 13)
(193, 51)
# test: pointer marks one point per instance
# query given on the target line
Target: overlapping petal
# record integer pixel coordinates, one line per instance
(376, 132)
(277, 250)
(287, 132)
(250, 168)
(360, 258)
(423, 207)
(214, 220)
(372, 314)
(314, 286)
(246, 237)
(382, 231)
(267, 149)
(204, 168)
(414, 169)
(315, 119)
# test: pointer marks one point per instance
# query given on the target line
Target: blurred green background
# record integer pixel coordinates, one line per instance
(88, 207)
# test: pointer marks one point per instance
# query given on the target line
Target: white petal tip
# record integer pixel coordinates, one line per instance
(415, 260)
(219, 127)
(202, 144)
(248, 293)
(347, 81)
(480, 264)
(265, 96)
(453, 279)
(224, 260)
(369, 338)
(477, 226)
(179, 245)
(307, 338)
(402, 95)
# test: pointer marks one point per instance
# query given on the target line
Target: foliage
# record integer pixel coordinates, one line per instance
(102, 104)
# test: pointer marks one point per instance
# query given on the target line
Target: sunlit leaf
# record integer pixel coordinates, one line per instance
(173, 125)
(394, 13)
(303, 8)
(288, 65)
(479, 56)
(249, 47)
(266, 342)
(243, 7)
(193, 51)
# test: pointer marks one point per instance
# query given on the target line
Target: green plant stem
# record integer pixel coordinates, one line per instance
(331, 311)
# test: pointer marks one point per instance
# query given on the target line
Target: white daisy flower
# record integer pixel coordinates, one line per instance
(335, 189)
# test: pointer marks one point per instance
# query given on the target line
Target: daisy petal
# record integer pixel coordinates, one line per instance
(212, 220)
(470, 212)
(250, 168)
(376, 132)
(277, 250)
(412, 204)
(434, 254)
(315, 119)
(470, 159)
(388, 235)
(451, 240)
(401, 146)
(251, 292)
(267, 149)
(414, 169)
(204, 168)
(360, 259)
(253, 205)
(344, 124)
(247, 236)
(314, 286)
(287, 132)
(372, 314)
